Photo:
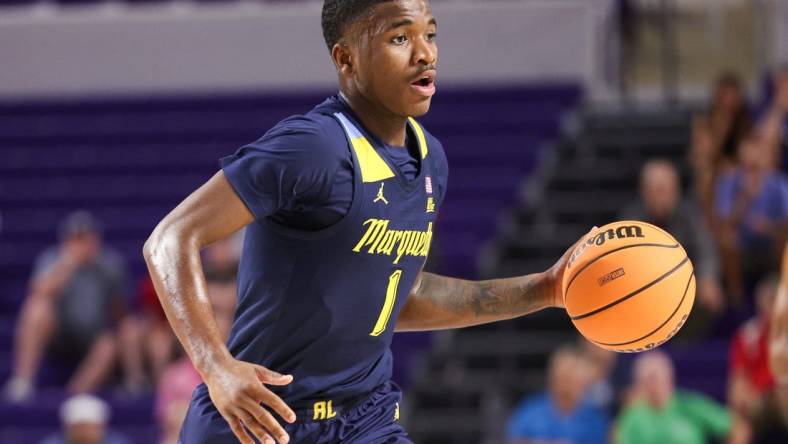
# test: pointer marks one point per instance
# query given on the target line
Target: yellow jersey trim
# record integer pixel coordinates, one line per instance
(373, 167)
(420, 135)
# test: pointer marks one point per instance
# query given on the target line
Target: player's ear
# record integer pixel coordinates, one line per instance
(343, 59)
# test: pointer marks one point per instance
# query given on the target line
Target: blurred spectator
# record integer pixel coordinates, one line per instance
(175, 388)
(220, 259)
(751, 389)
(602, 390)
(179, 379)
(773, 124)
(562, 414)
(75, 303)
(716, 136)
(659, 414)
(751, 377)
(752, 207)
(728, 117)
(84, 419)
(703, 161)
(778, 343)
(147, 338)
(661, 204)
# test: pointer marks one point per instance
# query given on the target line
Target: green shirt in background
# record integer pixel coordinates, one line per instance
(687, 419)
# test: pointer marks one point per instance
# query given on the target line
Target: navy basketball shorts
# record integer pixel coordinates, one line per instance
(373, 419)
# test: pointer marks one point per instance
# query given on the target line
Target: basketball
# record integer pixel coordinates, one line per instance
(629, 287)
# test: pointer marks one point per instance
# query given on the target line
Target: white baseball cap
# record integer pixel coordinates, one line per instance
(84, 409)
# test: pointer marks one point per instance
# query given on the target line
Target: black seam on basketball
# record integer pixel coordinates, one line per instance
(684, 296)
(634, 293)
(569, 285)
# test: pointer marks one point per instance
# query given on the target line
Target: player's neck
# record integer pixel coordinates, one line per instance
(384, 125)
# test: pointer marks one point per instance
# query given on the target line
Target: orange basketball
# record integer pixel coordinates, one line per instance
(629, 287)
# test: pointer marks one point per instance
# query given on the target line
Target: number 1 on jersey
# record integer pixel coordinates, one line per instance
(388, 305)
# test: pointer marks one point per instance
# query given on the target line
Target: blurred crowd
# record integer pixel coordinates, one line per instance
(733, 222)
(78, 317)
(649, 410)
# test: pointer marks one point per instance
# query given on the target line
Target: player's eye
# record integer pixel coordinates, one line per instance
(399, 40)
(432, 36)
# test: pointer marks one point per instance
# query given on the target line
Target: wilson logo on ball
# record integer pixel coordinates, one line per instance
(622, 232)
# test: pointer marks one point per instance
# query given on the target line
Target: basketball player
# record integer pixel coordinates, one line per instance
(340, 206)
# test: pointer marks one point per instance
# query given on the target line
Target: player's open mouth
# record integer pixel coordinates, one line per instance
(425, 83)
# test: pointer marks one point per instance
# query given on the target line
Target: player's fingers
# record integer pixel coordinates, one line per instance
(238, 430)
(586, 238)
(276, 403)
(265, 420)
(591, 233)
(255, 427)
(267, 376)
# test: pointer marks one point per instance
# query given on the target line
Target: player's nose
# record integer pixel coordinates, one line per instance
(424, 52)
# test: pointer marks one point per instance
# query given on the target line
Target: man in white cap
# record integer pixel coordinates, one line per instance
(84, 419)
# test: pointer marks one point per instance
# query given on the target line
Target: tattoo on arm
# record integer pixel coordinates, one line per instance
(498, 298)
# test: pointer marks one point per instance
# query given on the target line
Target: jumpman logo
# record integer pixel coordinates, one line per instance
(380, 195)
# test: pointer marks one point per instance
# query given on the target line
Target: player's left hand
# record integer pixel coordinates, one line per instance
(556, 272)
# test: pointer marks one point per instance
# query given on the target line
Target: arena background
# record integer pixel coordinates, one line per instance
(547, 108)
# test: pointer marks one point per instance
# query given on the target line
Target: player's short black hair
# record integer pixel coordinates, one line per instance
(339, 14)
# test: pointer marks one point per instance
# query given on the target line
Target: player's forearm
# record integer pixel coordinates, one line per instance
(176, 271)
(440, 302)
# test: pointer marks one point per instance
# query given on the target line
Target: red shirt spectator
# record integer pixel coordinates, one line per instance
(750, 354)
(149, 301)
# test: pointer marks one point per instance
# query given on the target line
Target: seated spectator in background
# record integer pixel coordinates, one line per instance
(751, 387)
(773, 125)
(562, 414)
(659, 414)
(76, 300)
(704, 161)
(661, 204)
(84, 419)
(778, 342)
(220, 260)
(716, 134)
(728, 118)
(180, 378)
(147, 339)
(601, 391)
(176, 385)
(752, 208)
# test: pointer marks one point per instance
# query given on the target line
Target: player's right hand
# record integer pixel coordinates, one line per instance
(238, 390)
(556, 272)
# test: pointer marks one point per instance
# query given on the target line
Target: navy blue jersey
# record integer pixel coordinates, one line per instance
(321, 304)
